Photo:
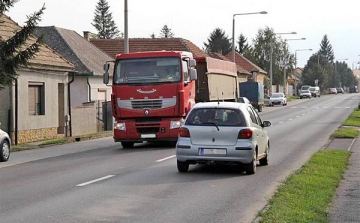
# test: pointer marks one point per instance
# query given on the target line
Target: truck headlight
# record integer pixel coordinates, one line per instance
(120, 126)
(175, 124)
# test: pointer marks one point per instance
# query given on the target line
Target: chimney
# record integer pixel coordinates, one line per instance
(86, 35)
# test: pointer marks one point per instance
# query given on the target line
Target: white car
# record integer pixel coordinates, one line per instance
(4, 146)
(305, 94)
(223, 133)
(278, 98)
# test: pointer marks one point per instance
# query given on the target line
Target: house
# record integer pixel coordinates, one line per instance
(35, 106)
(86, 81)
(116, 46)
(258, 74)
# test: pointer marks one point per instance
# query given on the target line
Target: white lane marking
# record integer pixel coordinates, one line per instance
(281, 122)
(290, 119)
(297, 116)
(94, 181)
(166, 158)
(347, 107)
(336, 107)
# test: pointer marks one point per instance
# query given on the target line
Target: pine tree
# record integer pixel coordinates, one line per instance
(218, 42)
(103, 21)
(12, 51)
(243, 46)
(326, 49)
(165, 32)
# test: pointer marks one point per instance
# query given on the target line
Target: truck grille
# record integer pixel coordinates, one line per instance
(150, 104)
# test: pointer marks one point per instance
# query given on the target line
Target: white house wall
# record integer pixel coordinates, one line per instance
(40, 127)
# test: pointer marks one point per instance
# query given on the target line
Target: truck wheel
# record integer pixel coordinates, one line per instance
(127, 144)
(182, 166)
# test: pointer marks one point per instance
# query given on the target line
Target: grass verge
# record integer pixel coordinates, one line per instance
(305, 195)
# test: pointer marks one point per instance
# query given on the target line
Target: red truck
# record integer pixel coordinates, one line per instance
(153, 91)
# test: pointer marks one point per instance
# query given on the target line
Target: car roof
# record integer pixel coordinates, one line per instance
(221, 104)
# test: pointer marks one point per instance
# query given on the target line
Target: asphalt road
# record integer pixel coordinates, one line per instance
(98, 181)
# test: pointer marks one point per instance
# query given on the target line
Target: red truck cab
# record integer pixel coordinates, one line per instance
(151, 94)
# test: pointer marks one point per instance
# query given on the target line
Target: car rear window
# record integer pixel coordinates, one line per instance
(218, 116)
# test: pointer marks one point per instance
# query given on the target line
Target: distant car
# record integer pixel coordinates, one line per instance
(267, 101)
(305, 94)
(243, 100)
(5, 144)
(333, 91)
(340, 90)
(353, 89)
(278, 98)
(315, 91)
(223, 133)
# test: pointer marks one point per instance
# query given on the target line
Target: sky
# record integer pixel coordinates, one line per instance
(195, 20)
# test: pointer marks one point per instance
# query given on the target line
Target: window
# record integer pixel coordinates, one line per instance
(36, 98)
(218, 116)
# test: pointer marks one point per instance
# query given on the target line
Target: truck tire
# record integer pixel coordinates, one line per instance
(127, 144)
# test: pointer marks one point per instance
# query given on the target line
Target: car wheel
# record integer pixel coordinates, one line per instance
(300, 97)
(182, 166)
(265, 161)
(4, 151)
(250, 168)
(127, 144)
(259, 108)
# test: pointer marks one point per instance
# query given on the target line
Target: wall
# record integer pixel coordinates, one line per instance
(83, 119)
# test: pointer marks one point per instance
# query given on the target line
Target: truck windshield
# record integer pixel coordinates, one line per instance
(147, 70)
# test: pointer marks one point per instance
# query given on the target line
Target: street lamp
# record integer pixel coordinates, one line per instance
(285, 64)
(233, 29)
(295, 68)
(271, 53)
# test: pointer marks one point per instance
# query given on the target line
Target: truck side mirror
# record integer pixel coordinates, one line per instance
(106, 74)
(192, 63)
(193, 74)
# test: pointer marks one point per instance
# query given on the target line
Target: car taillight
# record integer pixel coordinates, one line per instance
(245, 134)
(184, 132)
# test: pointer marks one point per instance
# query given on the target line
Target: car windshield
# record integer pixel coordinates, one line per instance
(147, 70)
(218, 116)
(276, 95)
(312, 89)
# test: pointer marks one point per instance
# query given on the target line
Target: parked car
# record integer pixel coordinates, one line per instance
(353, 89)
(223, 133)
(315, 91)
(278, 98)
(244, 100)
(5, 144)
(267, 101)
(340, 90)
(305, 94)
(333, 91)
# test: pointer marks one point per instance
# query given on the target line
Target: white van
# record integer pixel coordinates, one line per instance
(315, 91)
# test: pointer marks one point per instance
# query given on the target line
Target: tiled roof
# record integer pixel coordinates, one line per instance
(245, 63)
(45, 58)
(222, 57)
(87, 58)
(116, 46)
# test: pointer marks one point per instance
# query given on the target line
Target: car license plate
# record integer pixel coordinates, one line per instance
(148, 136)
(203, 151)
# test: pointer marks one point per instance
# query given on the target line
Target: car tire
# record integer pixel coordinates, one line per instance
(265, 161)
(182, 166)
(127, 144)
(300, 97)
(4, 151)
(259, 108)
(250, 168)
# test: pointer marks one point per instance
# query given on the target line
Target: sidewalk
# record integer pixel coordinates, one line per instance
(346, 203)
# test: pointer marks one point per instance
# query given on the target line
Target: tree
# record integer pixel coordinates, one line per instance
(103, 21)
(218, 42)
(243, 46)
(165, 32)
(15, 52)
(326, 49)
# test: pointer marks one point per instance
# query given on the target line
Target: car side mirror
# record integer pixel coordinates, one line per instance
(266, 124)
